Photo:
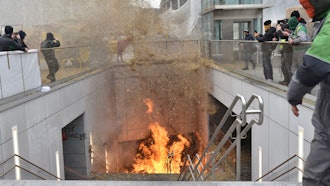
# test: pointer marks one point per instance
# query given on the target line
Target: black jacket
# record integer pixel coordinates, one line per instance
(8, 44)
(46, 48)
(268, 36)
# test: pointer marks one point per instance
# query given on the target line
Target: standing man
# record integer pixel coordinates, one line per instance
(267, 49)
(248, 50)
(283, 33)
(49, 54)
(298, 35)
(316, 69)
(122, 43)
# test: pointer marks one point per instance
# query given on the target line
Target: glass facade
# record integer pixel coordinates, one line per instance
(210, 3)
(207, 21)
(207, 4)
(213, 29)
(236, 2)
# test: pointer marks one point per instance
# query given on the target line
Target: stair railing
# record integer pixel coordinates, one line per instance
(198, 172)
(28, 170)
(280, 165)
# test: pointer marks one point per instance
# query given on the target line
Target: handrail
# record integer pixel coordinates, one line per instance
(237, 124)
(224, 119)
(295, 167)
(249, 41)
(278, 166)
(30, 163)
(34, 174)
(37, 166)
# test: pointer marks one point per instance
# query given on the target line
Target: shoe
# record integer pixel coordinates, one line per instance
(270, 80)
(51, 78)
(245, 68)
(283, 83)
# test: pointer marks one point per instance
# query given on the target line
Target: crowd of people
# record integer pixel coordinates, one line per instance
(293, 31)
(12, 41)
(303, 68)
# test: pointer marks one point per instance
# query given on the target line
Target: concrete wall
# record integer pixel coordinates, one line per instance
(19, 72)
(40, 117)
(108, 105)
(277, 137)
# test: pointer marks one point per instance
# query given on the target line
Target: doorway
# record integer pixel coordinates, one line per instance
(238, 29)
(238, 34)
(74, 151)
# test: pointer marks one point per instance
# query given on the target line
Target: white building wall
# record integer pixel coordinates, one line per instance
(278, 135)
(39, 119)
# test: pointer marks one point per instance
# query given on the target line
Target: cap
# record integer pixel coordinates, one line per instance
(295, 13)
(268, 22)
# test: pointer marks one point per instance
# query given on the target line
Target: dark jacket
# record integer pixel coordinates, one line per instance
(249, 46)
(287, 48)
(8, 44)
(268, 36)
(46, 47)
(315, 70)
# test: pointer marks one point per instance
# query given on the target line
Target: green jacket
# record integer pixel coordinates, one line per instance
(320, 46)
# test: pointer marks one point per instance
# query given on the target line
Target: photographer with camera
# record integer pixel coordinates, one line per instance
(282, 34)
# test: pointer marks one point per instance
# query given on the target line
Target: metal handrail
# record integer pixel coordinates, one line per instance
(295, 167)
(29, 162)
(278, 166)
(237, 124)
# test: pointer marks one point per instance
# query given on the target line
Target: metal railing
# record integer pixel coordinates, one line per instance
(33, 171)
(284, 172)
(198, 170)
(232, 54)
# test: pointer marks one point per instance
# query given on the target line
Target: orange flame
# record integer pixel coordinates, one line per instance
(150, 105)
(158, 157)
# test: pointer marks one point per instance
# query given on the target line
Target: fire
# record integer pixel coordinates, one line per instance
(149, 104)
(158, 157)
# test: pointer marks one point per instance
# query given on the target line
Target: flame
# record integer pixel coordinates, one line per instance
(150, 105)
(158, 157)
(155, 154)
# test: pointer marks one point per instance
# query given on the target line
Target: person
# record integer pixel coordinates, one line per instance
(286, 52)
(49, 53)
(248, 49)
(7, 43)
(122, 43)
(267, 49)
(315, 69)
(22, 36)
(298, 35)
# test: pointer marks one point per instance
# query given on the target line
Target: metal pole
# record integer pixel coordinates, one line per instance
(238, 152)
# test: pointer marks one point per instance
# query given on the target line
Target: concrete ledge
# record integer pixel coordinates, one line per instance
(143, 183)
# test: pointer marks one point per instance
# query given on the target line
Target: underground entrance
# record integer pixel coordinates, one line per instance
(159, 113)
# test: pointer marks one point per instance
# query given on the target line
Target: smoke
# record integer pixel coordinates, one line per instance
(156, 66)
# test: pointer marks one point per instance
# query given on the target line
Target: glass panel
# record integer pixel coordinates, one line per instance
(217, 30)
(236, 55)
(207, 4)
(237, 2)
(207, 20)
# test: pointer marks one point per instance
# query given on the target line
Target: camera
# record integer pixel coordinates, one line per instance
(283, 23)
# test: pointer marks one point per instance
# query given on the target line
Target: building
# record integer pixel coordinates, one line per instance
(223, 19)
